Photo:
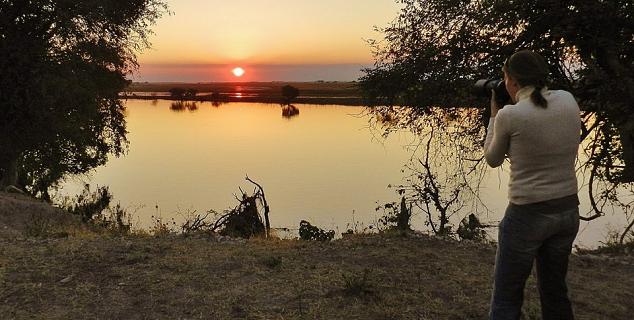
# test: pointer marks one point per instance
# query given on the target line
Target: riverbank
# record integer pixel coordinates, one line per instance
(75, 273)
(325, 93)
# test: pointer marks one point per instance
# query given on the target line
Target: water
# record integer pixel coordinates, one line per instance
(324, 165)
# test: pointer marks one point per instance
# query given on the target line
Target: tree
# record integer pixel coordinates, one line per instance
(435, 50)
(177, 93)
(191, 93)
(289, 93)
(63, 65)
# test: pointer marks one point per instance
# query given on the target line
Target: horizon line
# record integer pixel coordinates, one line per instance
(271, 81)
(176, 64)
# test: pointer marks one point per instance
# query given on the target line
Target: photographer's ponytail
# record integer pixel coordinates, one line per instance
(529, 69)
(537, 97)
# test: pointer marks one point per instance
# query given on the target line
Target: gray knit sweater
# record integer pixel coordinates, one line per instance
(541, 144)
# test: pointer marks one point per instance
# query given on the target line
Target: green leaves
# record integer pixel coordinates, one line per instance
(435, 50)
(64, 63)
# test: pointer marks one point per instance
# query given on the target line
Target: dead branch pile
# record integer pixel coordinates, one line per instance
(243, 221)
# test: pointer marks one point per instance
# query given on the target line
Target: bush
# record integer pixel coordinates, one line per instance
(89, 204)
(162, 228)
(310, 232)
(94, 208)
(177, 92)
(471, 229)
(190, 93)
(396, 216)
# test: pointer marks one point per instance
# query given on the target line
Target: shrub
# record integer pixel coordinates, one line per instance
(94, 208)
(310, 232)
(471, 229)
(396, 216)
(162, 228)
(89, 204)
(177, 93)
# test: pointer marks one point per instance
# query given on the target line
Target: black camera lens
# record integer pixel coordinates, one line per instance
(483, 88)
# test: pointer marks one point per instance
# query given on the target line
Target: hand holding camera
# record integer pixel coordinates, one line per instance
(494, 88)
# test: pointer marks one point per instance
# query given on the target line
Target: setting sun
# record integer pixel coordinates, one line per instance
(238, 72)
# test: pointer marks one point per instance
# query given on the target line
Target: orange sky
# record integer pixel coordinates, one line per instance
(263, 34)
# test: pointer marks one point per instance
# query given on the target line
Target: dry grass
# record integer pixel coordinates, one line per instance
(364, 277)
(21, 215)
(88, 275)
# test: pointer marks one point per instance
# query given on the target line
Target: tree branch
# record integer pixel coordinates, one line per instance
(266, 206)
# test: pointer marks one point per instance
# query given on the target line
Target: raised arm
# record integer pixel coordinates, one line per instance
(496, 145)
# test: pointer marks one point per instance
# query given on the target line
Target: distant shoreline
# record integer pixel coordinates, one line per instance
(270, 100)
(321, 92)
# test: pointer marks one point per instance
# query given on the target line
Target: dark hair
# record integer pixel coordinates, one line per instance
(529, 69)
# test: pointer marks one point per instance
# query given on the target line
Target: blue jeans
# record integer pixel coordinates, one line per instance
(526, 236)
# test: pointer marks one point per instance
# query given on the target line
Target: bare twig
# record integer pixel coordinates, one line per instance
(265, 204)
(626, 231)
(598, 212)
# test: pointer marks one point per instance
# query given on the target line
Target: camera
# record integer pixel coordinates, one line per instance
(483, 88)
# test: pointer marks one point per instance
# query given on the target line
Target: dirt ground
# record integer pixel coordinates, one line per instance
(84, 275)
(20, 214)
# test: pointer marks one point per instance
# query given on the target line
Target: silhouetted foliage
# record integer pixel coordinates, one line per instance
(183, 105)
(396, 216)
(289, 93)
(89, 204)
(63, 65)
(190, 93)
(309, 232)
(215, 96)
(244, 220)
(470, 228)
(178, 93)
(435, 50)
(289, 111)
(94, 207)
(182, 93)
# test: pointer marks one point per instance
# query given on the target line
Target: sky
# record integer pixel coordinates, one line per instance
(273, 40)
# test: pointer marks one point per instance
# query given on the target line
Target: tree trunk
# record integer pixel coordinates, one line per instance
(403, 216)
(10, 174)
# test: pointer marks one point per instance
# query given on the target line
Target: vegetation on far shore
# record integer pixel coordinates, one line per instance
(318, 92)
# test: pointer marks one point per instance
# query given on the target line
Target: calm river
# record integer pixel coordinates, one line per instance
(324, 165)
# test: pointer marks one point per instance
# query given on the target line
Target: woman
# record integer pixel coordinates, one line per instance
(540, 135)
